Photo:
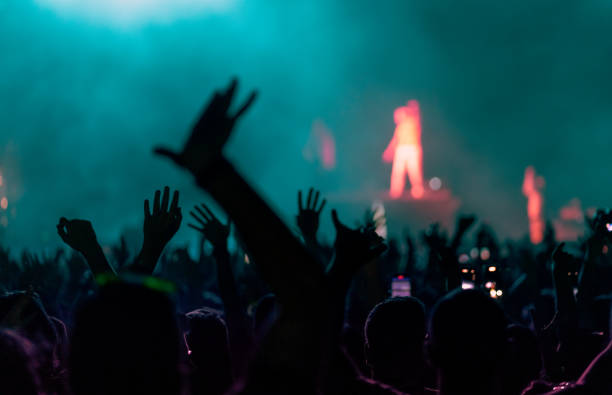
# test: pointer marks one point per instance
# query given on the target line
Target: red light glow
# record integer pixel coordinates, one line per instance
(321, 146)
(532, 186)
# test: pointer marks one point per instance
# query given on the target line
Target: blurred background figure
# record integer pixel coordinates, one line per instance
(532, 189)
(405, 152)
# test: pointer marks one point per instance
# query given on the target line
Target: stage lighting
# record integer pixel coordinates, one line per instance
(130, 12)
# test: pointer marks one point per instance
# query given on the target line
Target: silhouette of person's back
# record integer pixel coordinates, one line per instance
(125, 341)
(395, 334)
(209, 352)
(18, 369)
(467, 343)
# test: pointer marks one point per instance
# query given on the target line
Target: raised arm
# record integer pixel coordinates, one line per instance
(217, 233)
(291, 351)
(79, 235)
(160, 225)
(290, 270)
(354, 248)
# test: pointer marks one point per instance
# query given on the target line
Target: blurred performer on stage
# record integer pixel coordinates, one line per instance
(532, 189)
(405, 152)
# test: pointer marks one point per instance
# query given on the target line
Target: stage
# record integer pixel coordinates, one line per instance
(404, 213)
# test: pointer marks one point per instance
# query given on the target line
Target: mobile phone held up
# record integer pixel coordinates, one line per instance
(400, 286)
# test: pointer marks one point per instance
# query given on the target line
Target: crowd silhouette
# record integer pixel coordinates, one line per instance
(284, 313)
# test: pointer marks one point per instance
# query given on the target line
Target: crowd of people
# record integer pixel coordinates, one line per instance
(284, 313)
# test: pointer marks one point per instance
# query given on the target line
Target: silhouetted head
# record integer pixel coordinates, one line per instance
(125, 341)
(23, 311)
(468, 342)
(18, 365)
(395, 332)
(207, 340)
(206, 337)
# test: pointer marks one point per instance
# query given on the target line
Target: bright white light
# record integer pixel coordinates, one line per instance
(435, 184)
(130, 12)
(499, 292)
(378, 211)
(467, 285)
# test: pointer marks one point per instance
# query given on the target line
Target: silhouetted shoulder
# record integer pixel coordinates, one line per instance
(545, 388)
(370, 387)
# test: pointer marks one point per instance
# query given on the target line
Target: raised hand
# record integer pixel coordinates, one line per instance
(308, 215)
(211, 131)
(435, 238)
(356, 247)
(80, 235)
(213, 230)
(160, 225)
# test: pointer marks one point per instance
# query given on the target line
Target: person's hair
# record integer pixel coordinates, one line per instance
(18, 365)
(24, 312)
(207, 339)
(395, 330)
(468, 337)
(125, 341)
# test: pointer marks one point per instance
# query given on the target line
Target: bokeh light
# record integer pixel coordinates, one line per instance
(485, 254)
(435, 184)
